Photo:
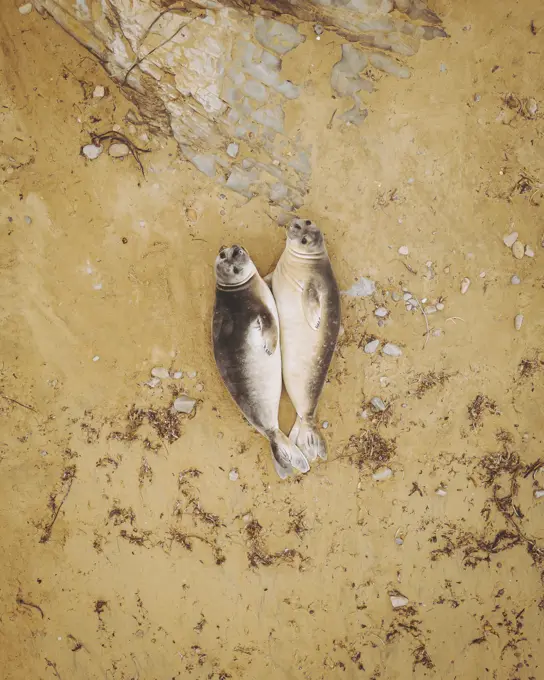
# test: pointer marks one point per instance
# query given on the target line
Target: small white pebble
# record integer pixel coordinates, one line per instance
(482, 275)
(28, 220)
(407, 296)
(441, 492)
(199, 387)
(510, 239)
(431, 309)
(96, 358)
(160, 372)
(446, 270)
(99, 91)
(424, 300)
(518, 320)
(91, 151)
(392, 350)
(154, 382)
(43, 453)
(118, 150)
(97, 286)
(518, 250)
(408, 307)
(184, 404)
(177, 375)
(539, 493)
(233, 475)
(381, 474)
(437, 332)
(428, 263)
(191, 374)
(403, 250)
(398, 601)
(396, 296)
(325, 424)
(465, 283)
(384, 381)
(26, 9)
(399, 540)
(381, 312)
(529, 251)
(371, 346)
(515, 280)
(364, 414)
(440, 306)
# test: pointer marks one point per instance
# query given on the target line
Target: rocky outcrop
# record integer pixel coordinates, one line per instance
(210, 73)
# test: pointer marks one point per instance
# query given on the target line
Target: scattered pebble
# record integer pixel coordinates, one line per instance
(518, 250)
(232, 149)
(384, 381)
(96, 358)
(407, 296)
(28, 219)
(154, 382)
(318, 29)
(446, 270)
(118, 150)
(233, 475)
(191, 374)
(99, 91)
(510, 239)
(441, 492)
(392, 350)
(199, 387)
(160, 372)
(518, 321)
(325, 424)
(399, 540)
(381, 312)
(539, 493)
(515, 280)
(177, 375)
(26, 8)
(465, 284)
(184, 404)
(91, 151)
(378, 404)
(371, 346)
(431, 309)
(44, 453)
(364, 414)
(382, 473)
(529, 251)
(440, 306)
(403, 250)
(398, 601)
(443, 68)
(482, 275)
(396, 296)
(436, 333)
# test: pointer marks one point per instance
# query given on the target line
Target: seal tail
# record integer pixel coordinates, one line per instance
(286, 455)
(308, 439)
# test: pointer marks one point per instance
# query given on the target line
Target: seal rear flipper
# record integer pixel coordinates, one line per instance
(310, 441)
(286, 455)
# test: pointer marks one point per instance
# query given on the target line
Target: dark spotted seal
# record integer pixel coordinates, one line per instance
(247, 351)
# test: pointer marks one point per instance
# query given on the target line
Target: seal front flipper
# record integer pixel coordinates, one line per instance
(268, 329)
(311, 304)
(286, 455)
(222, 324)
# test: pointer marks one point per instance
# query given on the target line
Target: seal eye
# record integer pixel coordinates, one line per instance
(222, 255)
(308, 223)
(236, 251)
(236, 270)
(297, 226)
(304, 240)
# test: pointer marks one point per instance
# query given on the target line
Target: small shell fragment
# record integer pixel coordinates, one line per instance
(465, 284)
(529, 252)
(518, 321)
(440, 306)
(441, 492)
(233, 475)
(184, 404)
(398, 601)
(381, 312)
(382, 474)
(160, 372)
(515, 280)
(403, 250)
(378, 404)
